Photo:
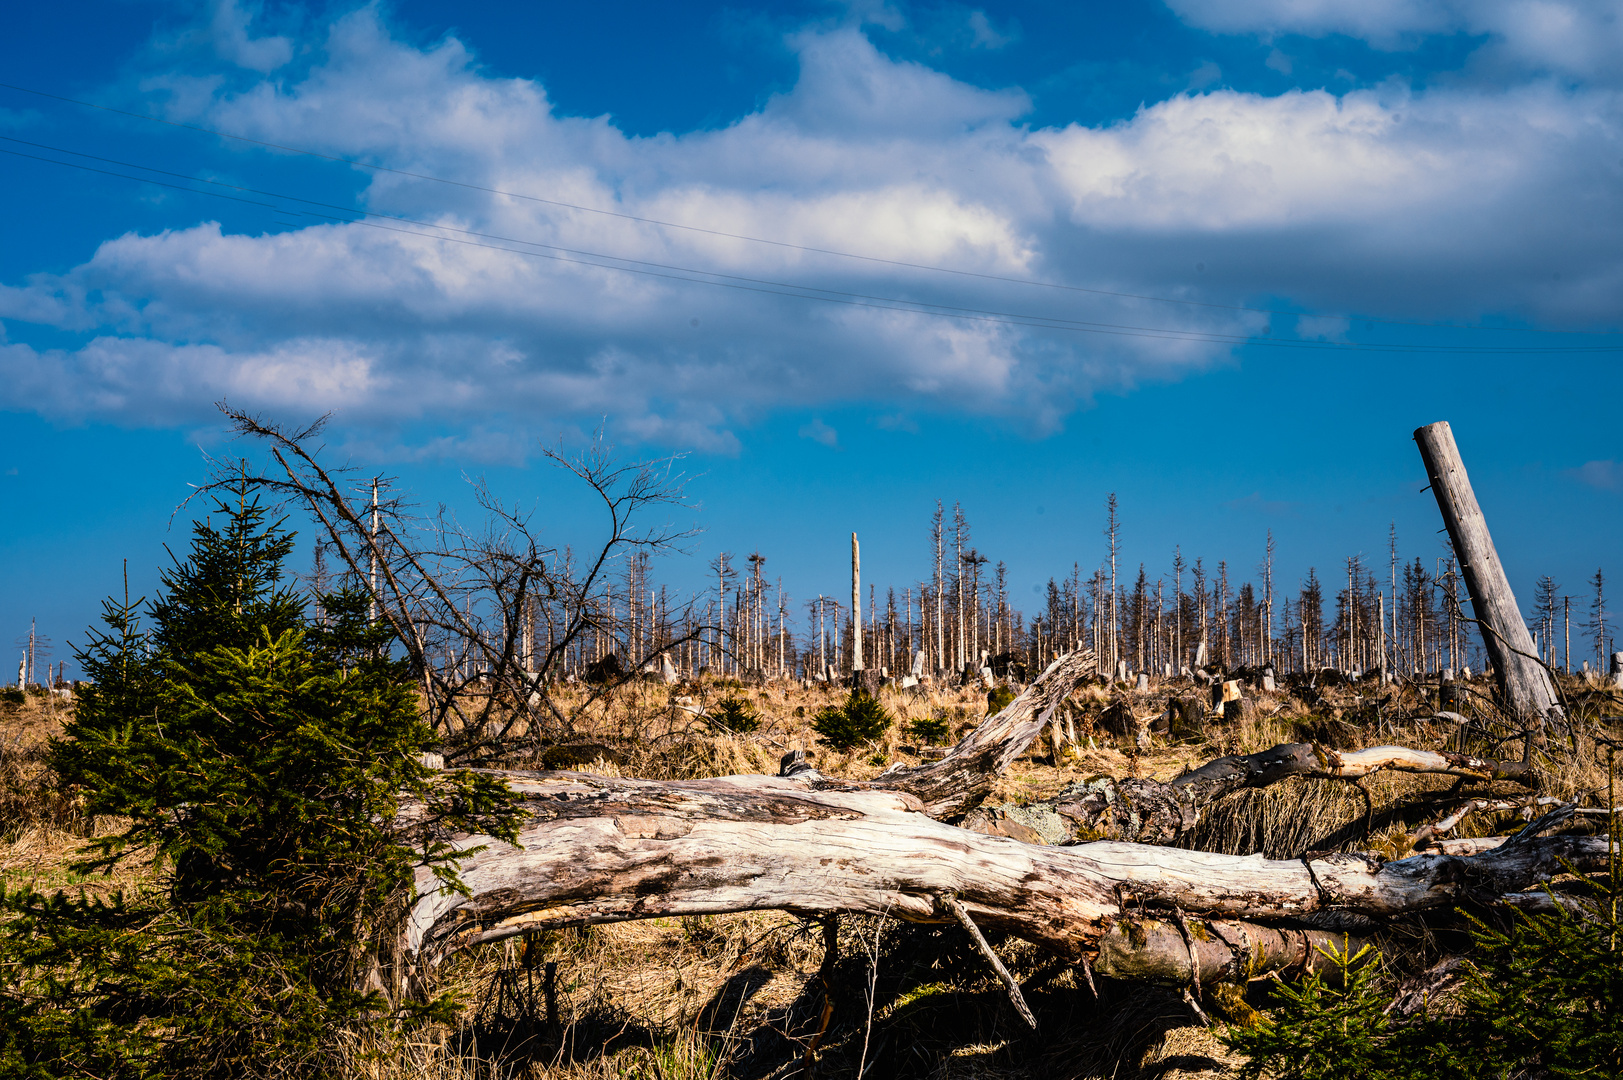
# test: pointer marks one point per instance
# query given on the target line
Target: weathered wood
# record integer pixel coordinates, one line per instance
(1524, 684)
(598, 849)
(1015, 996)
(1216, 950)
(856, 609)
(1156, 812)
(956, 783)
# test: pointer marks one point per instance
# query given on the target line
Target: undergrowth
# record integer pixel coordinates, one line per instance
(742, 996)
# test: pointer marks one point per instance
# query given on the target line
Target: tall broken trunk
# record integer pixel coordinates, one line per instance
(856, 613)
(1524, 684)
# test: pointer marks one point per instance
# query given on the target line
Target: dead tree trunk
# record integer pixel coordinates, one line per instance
(1161, 812)
(1524, 684)
(598, 849)
(960, 780)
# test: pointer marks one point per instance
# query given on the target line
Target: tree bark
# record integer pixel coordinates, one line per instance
(598, 849)
(1524, 684)
(956, 783)
(856, 612)
(1161, 812)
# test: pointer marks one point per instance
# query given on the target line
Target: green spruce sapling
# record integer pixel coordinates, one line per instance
(862, 719)
(260, 761)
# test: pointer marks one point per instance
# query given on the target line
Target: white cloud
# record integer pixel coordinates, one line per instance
(817, 431)
(1573, 37)
(1604, 475)
(1374, 202)
(226, 34)
(983, 35)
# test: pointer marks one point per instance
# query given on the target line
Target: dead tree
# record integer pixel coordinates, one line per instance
(1524, 683)
(458, 600)
(1165, 812)
(597, 849)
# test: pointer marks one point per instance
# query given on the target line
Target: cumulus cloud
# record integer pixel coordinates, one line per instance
(507, 310)
(1572, 37)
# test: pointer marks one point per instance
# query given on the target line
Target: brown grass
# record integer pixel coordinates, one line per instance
(739, 996)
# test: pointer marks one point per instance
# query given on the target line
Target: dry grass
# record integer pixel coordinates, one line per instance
(740, 996)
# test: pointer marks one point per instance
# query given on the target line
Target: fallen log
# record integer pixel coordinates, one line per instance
(1214, 950)
(1161, 812)
(598, 849)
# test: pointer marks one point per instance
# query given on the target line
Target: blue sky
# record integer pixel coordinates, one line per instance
(1218, 257)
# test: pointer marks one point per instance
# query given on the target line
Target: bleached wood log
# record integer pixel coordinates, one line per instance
(1216, 950)
(1523, 682)
(598, 849)
(1159, 812)
(957, 782)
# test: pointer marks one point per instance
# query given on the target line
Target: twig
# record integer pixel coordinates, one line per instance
(1087, 970)
(873, 982)
(831, 956)
(1194, 1007)
(951, 903)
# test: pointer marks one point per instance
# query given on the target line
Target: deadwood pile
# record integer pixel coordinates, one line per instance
(1114, 896)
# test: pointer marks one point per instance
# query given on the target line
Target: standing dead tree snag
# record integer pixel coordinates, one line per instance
(466, 606)
(1524, 683)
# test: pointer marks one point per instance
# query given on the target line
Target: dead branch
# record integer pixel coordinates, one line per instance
(599, 849)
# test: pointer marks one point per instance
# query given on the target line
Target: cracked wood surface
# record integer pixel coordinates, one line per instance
(599, 849)
(956, 783)
(1159, 812)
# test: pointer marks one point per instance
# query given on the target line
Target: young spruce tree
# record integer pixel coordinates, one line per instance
(260, 761)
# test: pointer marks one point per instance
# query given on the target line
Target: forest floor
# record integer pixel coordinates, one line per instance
(742, 995)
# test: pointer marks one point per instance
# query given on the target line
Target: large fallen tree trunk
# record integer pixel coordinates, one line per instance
(599, 849)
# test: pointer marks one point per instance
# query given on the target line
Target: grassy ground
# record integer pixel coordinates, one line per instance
(744, 995)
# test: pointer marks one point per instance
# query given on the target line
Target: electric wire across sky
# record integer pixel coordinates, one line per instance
(352, 215)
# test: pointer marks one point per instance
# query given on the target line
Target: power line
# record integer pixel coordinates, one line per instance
(796, 290)
(1008, 279)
